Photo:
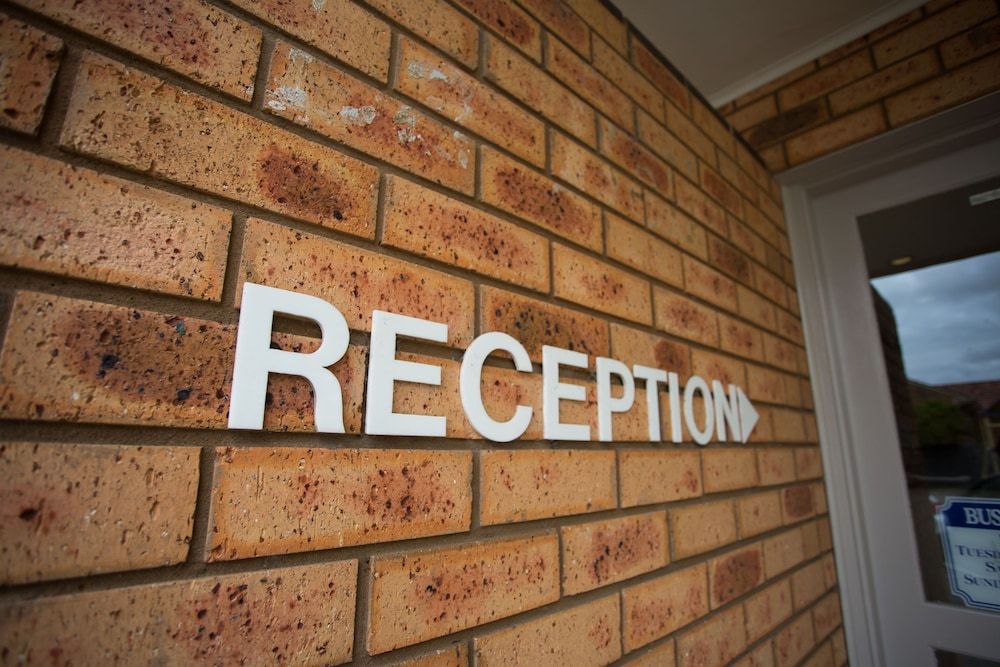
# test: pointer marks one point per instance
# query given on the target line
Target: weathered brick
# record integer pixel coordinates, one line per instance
(643, 251)
(226, 619)
(842, 132)
(585, 170)
(808, 585)
(31, 59)
(740, 339)
(594, 284)
(209, 146)
(961, 85)
(342, 29)
(729, 259)
(680, 316)
(715, 642)
(73, 510)
(604, 552)
(729, 469)
(539, 91)
(617, 69)
(735, 574)
(977, 42)
(666, 145)
(588, 83)
(826, 614)
(76, 222)
(456, 94)
(656, 608)
(78, 361)
(697, 204)
(768, 609)
(563, 21)
(701, 528)
(753, 114)
(630, 155)
(603, 21)
(510, 21)
(777, 465)
(785, 125)
(783, 552)
(930, 31)
(794, 641)
(826, 79)
(357, 281)
(315, 95)
(724, 193)
(428, 223)
(437, 22)
(638, 347)
(659, 655)
(517, 189)
(648, 62)
(270, 501)
(536, 484)
(656, 476)
(690, 134)
(758, 513)
(709, 284)
(456, 655)
(421, 595)
(589, 634)
(884, 82)
(668, 222)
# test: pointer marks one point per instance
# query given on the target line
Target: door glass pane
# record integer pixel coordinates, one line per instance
(934, 266)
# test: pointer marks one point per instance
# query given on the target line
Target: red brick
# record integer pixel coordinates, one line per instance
(735, 574)
(509, 21)
(432, 225)
(594, 284)
(842, 132)
(753, 113)
(603, 21)
(518, 189)
(783, 552)
(643, 251)
(656, 476)
(884, 82)
(225, 619)
(648, 62)
(421, 595)
(826, 79)
(690, 134)
(272, 501)
(587, 635)
(977, 42)
(457, 95)
(680, 316)
(437, 22)
(586, 171)
(930, 31)
(701, 528)
(73, 510)
(758, 513)
(709, 284)
(612, 65)
(337, 27)
(668, 222)
(588, 83)
(31, 59)
(562, 21)
(209, 146)
(697, 204)
(740, 339)
(536, 484)
(715, 642)
(315, 95)
(356, 281)
(633, 346)
(794, 641)
(605, 552)
(768, 609)
(539, 91)
(658, 607)
(968, 82)
(667, 146)
(729, 469)
(76, 222)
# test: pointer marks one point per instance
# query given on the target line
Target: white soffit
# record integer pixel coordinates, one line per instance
(729, 47)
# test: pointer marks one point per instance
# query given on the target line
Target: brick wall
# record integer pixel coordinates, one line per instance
(533, 168)
(929, 60)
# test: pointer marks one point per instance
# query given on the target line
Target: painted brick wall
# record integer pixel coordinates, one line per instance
(528, 167)
(929, 60)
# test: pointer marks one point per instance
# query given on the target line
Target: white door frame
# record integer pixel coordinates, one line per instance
(886, 619)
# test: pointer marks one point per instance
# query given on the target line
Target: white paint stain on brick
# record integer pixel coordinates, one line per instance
(318, 4)
(297, 55)
(437, 75)
(287, 96)
(358, 115)
(416, 70)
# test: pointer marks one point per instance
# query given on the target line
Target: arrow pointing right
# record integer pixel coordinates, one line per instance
(748, 415)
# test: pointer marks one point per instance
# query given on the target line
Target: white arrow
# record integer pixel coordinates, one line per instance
(748, 415)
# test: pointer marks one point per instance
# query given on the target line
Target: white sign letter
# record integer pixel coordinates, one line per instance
(694, 384)
(652, 376)
(470, 387)
(726, 412)
(553, 390)
(606, 404)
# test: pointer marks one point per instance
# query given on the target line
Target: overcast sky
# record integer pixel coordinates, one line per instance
(949, 319)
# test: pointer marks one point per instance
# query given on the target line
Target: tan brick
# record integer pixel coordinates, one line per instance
(715, 642)
(617, 69)
(630, 155)
(456, 655)
(977, 42)
(690, 134)
(810, 540)
(765, 384)
(76, 222)
(563, 21)
(777, 465)
(517, 189)
(437, 22)
(917, 37)
(760, 223)
(744, 183)
(591, 174)
(429, 224)
(808, 463)
(762, 656)
(780, 353)
(709, 284)
(226, 619)
(784, 125)
(826, 614)
(209, 146)
(790, 327)
(696, 203)
(701, 528)
(667, 146)
(723, 192)
(73, 510)
(535, 484)
(457, 95)
(768, 609)
(342, 29)
(753, 113)
(588, 83)
(315, 95)
(658, 607)
(752, 164)
(357, 281)
(783, 552)
(842, 132)
(825, 80)
(633, 346)
(660, 655)
(839, 647)
(781, 82)
(770, 286)
(788, 425)
(713, 366)
(30, 61)
(821, 657)
(729, 469)
(819, 497)
(808, 585)
(710, 123)
(794, 641)
(78, 361)
(963, 84)
(604, 552)
(421, 595)
(680, 316)
(603, 21)
(648, 62)
(592, 283)
(668, 222)
(758, 513)
(509, 21)
(271, 501)
(643, 251)
(657, 476)
(741, 339)
(884, 82)
(735, 574)
(589, 634)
